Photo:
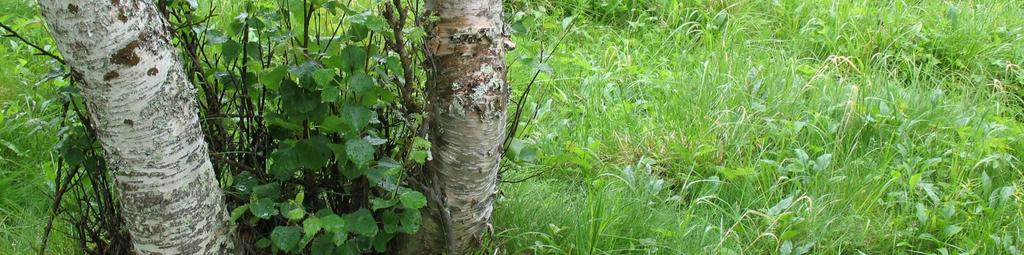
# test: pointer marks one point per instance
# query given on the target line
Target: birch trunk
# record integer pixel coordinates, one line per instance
(144, 111)
(468, 97)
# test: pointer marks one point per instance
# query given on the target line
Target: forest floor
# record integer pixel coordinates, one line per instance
(783, 127)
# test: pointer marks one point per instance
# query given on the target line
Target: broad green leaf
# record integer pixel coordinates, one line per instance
(322, 246)
(380, 241)
(333, 223)
(390, 221)
(296, 100)
(286, 238)
(353, 58)
(263, 243)
(330, 94)
(272, 78)
(413, 200)
(376, 23)
(285, 164)
(419, 156)
(263, 208)
(360, 83)
(333, 124)
(359, 151)
(914, 179)
(410, 221)
(362, 222)
(339, 238)
(230, 50)
(270, 190)
(356, 117)
(311, 226)
(214, 36)
(381, 203)
(238, 212)
(312, 153)
(323, 77)
(296, 213)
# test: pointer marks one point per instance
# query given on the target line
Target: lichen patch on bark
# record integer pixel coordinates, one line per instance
(468, 96)
(126, 56)
(143, 107)
(110, 75)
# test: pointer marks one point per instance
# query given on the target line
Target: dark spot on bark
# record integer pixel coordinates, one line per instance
(152, 71)
(121, 16)
(126, 56)
(115, 2)
(75, 74)
(73, 8)
(110, 75)
(129, 122)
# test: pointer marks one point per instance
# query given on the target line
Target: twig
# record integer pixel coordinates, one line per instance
(12, 33)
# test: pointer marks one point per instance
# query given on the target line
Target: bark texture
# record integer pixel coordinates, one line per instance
(144, 111)
(467, 97)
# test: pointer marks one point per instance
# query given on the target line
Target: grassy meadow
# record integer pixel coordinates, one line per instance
(701, 127)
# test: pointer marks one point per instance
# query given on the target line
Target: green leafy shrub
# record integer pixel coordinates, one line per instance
(310, 119)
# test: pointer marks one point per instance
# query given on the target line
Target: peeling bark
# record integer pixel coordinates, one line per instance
(467, 97)
(145, 114)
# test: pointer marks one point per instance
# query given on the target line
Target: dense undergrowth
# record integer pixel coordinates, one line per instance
(669, 127)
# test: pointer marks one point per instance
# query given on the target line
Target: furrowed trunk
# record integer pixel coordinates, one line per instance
(145, 115)
(467, 97)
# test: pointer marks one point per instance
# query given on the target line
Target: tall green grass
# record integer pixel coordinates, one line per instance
(28, 121)
(688, 127)
(776, 127)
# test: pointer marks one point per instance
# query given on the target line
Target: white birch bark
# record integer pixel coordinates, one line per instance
(468, 98)
(146, 119)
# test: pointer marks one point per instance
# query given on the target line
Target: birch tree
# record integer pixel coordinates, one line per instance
(143, 109)
(467, 97)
